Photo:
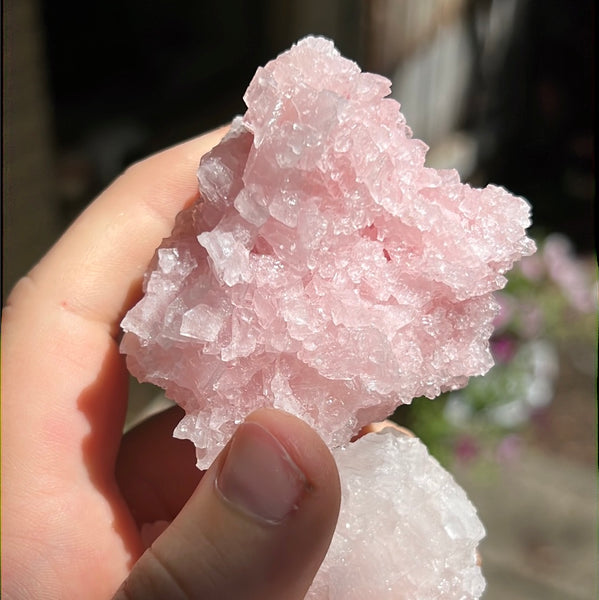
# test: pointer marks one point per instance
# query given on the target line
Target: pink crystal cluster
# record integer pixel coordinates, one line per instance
(325, 270)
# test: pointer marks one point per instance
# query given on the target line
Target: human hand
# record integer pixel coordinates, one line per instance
(75, 493)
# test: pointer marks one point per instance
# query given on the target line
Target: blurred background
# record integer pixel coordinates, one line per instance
(502, 90)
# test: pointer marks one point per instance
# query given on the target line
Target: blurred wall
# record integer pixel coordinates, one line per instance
(28, 210)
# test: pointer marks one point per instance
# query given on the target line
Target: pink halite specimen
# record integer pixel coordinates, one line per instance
(325, 270)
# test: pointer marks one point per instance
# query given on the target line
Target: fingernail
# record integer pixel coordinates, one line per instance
(259, 476)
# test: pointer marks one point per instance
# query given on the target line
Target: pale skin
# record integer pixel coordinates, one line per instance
(74, 491)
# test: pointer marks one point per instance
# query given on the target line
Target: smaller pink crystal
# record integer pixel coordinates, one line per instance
(325, 270)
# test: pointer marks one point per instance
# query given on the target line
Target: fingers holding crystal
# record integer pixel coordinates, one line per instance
(97, 265)
(258, 524)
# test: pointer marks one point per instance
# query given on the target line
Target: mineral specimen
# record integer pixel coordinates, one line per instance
(406, 530)
(325, 270)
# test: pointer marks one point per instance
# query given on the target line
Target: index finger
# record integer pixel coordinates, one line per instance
(95, 269)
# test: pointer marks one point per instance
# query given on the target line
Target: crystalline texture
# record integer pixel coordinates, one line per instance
(324, 271)
(327, 272)
(406, 530)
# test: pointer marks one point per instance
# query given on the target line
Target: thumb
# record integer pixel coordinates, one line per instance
(258, 524)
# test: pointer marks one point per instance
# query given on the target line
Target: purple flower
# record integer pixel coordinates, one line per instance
(466, 449)
(503, 349)
(509, 449)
